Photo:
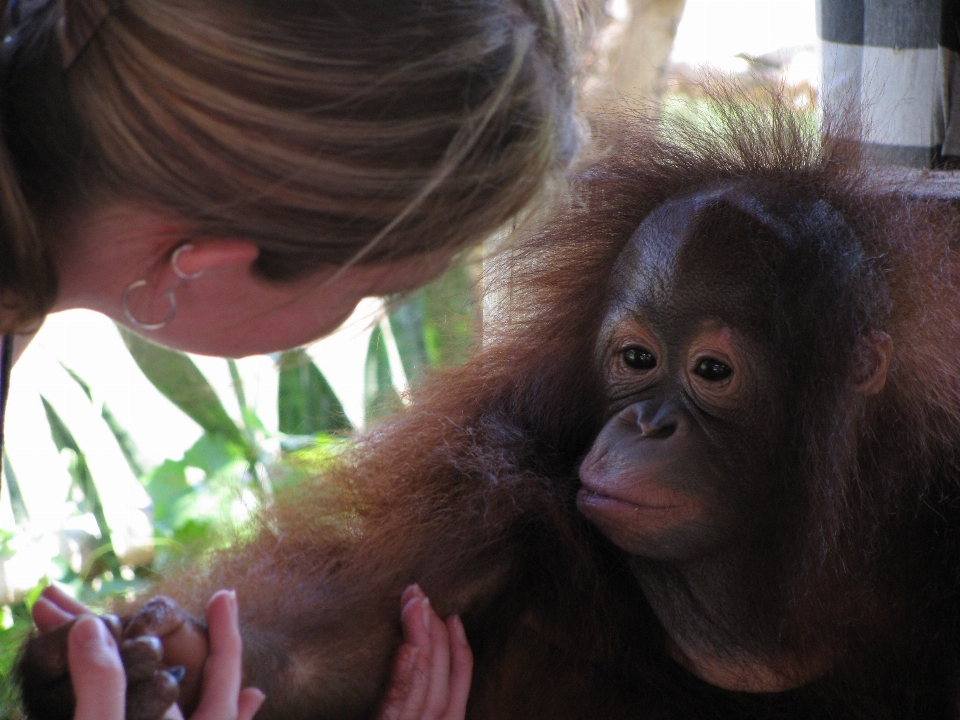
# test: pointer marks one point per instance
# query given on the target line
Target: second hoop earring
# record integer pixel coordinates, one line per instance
(134, 320)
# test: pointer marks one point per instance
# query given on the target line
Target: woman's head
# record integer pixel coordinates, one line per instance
(327, 133)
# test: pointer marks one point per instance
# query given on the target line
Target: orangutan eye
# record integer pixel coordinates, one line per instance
(713, 370)
(639, 358)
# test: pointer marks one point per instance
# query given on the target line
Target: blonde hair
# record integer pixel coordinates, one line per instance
(325, 132)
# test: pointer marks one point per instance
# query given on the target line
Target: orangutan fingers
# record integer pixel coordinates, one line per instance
(159, 616)
(150, 698)
(141, 657)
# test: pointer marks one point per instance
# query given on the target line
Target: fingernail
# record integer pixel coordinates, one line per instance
(425, 610)
(459, 629)
(89, 626)
(177, 673)
(92, 632)
(229, 595)
(153, 642)
(409, 603)
(103, 636)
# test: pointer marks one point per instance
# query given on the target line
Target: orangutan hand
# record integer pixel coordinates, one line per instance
(183, 642)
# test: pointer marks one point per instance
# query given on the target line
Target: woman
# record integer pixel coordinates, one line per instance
(231, 176)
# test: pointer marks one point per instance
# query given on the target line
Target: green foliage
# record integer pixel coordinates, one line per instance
(176, 376)
(451, 316)
(127, 446)
(306, 403)
(435, 326)
(87, 496)
(407, 327)
(15, 626)
(380, 396)
(17, 504)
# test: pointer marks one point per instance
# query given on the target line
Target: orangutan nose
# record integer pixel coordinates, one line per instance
(655, 419)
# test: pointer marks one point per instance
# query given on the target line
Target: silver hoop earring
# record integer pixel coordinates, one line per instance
(176, 268)
(125, 304)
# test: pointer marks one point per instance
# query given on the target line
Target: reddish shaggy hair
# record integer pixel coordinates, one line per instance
(470, 492)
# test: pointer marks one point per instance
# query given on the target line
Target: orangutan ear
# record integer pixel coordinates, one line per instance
(873, 361)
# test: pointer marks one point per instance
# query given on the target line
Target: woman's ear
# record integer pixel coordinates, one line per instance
(193, 259)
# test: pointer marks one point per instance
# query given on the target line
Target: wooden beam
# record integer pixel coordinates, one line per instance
(913, 182)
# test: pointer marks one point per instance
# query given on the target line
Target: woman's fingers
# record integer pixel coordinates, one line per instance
(54, 607)
(222, 698)
(61, 599)
(401, 683)
(99, 683)
(249, 702)
(47, 616)
(410, 681)
(461, 670)
(432, 670)
(438, 695)
(221, 672)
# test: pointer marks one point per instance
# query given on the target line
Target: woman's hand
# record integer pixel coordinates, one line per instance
(96, 671)
(433, 668)
(54, 608)
(97, 674)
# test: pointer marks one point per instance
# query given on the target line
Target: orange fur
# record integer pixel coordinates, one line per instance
(470, 492)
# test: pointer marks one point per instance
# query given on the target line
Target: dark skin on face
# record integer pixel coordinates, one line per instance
(653, 480)
(681, 475)
(649, 481)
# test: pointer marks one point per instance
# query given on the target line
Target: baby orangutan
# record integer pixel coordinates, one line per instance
(708, 466)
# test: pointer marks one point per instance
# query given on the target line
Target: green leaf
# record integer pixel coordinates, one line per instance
(237, 384)
(212, 454)
(306, 404)
(175, 375)
(64, 440)
(166, 485)
(197, 532)
(178, 503)
(406, 322)
(128, 447)
(20, 512)
(253, 427)
(380, 397)
(80, 381)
